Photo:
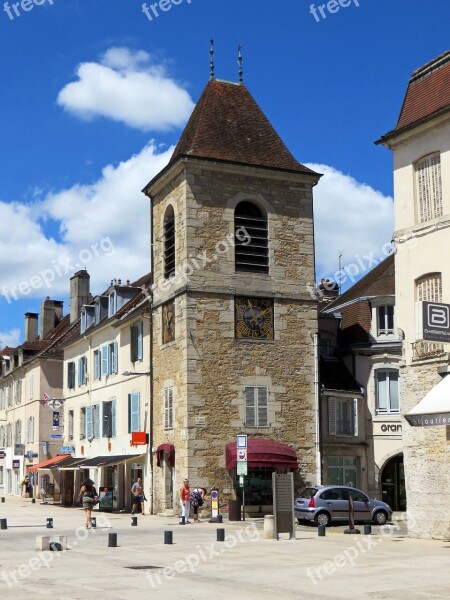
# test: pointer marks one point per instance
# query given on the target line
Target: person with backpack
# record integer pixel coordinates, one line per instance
(88, 495)
(197, 498)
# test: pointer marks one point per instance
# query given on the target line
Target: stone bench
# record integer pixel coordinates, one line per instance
(43, 541)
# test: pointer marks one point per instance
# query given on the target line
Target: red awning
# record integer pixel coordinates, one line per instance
(170, 449)
(263, 453)
(48, 464)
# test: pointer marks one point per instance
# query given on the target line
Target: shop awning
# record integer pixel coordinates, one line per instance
(70, 464)
(170, 449)
(49, 464)
(263, 453)
(434, 408)
(105, 461)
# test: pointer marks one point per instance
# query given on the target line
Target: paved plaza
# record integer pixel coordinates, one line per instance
(386, 565)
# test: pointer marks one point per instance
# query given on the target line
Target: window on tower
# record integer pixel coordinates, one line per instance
(251, 238)
(169, 242)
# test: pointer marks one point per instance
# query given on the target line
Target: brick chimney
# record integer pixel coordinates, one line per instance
(79, 293)
(31, 326)
(51, 314)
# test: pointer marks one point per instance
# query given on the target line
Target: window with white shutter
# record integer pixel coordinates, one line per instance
(105, 360)
(89, 423)
(256, 406)
(97, 365)
(71, 375)
(343, 416)
(83, 423)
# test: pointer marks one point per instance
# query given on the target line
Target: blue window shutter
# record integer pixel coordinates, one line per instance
(96, 364)
(89, 423)
(80, 372)
(135, 411)
(97, 420)
(104, 360)
(113, 418)
(140, 352)
(115, 357)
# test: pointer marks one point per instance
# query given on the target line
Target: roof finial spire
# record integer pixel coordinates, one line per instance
(240, 60)
(211, 61)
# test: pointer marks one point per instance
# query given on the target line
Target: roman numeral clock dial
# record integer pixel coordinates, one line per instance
(254, 318)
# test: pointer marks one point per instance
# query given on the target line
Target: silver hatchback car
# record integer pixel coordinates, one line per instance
(325, 503)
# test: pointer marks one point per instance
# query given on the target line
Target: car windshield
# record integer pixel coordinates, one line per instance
(308, 493)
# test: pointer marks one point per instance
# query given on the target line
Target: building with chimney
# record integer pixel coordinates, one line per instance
(420, 143)
(233, 321)
(30, 379)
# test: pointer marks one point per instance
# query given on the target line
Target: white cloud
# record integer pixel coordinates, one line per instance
(127, 86)
(105, 227)
(351, 219)
(9, 338)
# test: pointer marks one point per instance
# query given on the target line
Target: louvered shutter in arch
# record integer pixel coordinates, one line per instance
(332, 416)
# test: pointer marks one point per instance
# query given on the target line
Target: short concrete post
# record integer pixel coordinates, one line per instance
(221, 535)
(168, 537)
(268, 527)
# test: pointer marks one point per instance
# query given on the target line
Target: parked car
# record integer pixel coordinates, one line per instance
(325, 503)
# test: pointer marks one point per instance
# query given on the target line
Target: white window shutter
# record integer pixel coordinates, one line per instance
(135, 411)
(104, 360)
(355, 416)
(115, 357)
(113, 418)
(89, 423)
(332, 416)
(250, 408)
(263, 420)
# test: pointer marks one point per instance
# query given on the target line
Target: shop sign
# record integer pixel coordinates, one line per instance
(433, 322)
(16, 464)
(2, 454)
(55, 420)
(56, 436)
(67, 449)
(242, 467)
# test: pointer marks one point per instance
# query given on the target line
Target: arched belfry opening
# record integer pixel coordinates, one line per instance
(251, 238)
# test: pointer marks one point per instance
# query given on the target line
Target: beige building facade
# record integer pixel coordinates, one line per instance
(421, 146)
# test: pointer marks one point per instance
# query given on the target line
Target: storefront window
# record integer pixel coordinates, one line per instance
(258, 487)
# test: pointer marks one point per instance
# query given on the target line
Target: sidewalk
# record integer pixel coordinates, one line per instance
(196, 565)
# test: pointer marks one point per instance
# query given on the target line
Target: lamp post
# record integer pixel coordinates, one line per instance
(137, 374)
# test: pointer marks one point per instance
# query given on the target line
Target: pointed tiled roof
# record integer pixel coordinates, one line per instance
(428, 95)
(228, 125)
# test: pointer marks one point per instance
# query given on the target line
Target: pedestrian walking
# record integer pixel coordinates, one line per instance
(138, 492)
(185, 500)
(89, 497)
(197, 498)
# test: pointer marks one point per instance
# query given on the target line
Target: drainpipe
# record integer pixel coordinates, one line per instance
(152, 278)
(317, 410)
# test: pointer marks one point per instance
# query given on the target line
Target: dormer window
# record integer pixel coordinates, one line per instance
(87, 317)
(385, 319)
(112, 305)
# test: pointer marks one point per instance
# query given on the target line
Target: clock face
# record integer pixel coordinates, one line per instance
(254, 318)
(168, 322)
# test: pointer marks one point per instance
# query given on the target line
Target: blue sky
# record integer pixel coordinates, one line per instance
(94, 95)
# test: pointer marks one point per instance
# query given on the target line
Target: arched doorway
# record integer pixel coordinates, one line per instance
(393, 483)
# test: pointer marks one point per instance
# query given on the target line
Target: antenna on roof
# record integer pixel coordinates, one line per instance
(211, 60)
(240, 60)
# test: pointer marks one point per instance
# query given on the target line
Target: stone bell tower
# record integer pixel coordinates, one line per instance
(233, 320)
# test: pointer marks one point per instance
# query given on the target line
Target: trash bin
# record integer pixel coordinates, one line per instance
(234, 510)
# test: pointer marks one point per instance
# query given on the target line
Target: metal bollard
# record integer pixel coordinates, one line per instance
(112, 540)
(367, 529)
(219, 519)
(33, 500)
(321, 529)
(49, 523)
(221, 535)
(3, 499)
(182, 520)
(133, 521)
(94, 521)
(55, 547)
(168, 537)
(3, 524)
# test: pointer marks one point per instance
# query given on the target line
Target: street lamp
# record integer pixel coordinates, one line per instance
(137, 373)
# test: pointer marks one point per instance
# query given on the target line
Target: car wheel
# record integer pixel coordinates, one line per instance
(380, 517)
(322, 518)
